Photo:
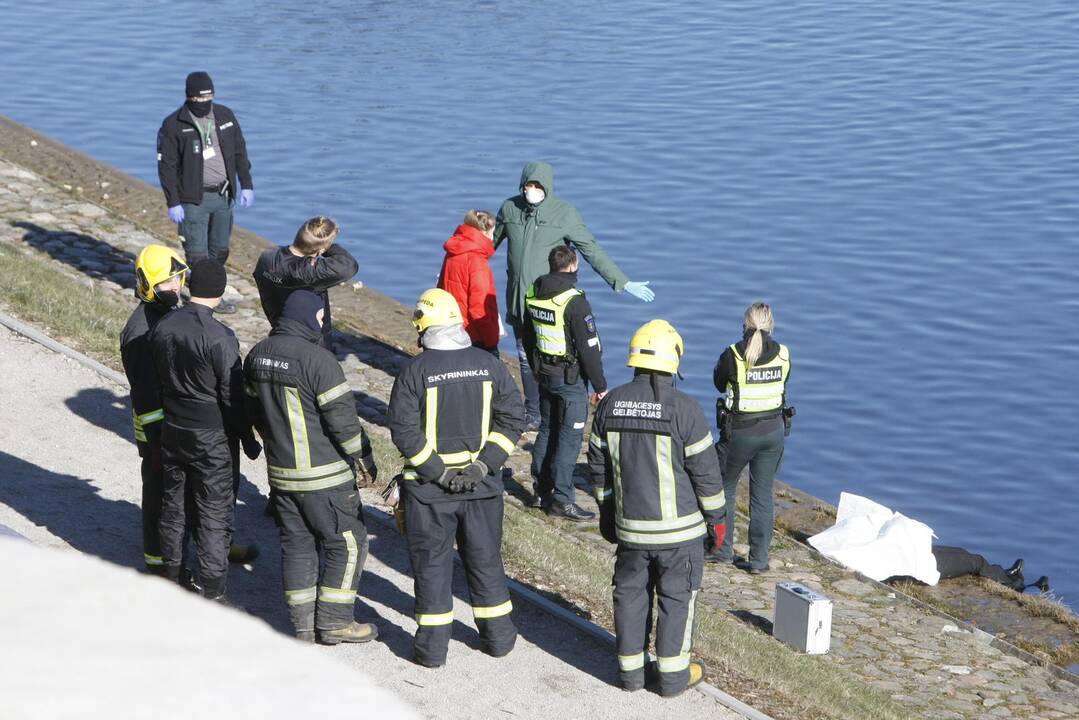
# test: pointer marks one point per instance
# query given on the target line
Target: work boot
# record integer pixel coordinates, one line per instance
(305, 636)
(352, 633)
(570, 511)
(697, 673)
(243, 553)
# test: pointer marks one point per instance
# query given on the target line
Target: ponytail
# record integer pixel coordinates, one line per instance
(758, 318)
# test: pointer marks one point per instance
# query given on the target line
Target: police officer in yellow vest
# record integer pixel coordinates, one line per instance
(752, 374)
(565, 353)
(658, 485)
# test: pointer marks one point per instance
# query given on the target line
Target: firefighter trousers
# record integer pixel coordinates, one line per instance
(209, 480)
(476, 525)
(152, 480)
(330, 520)
(671, 577)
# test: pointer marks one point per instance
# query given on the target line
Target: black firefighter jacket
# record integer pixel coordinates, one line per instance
(653, 464)
(449, 408)
(179, 155)
(278, 272)
(198, 367)
(146, 410)
(299, 401)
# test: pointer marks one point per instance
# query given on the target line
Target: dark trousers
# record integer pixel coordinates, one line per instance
(670, 577)
(528, 380)
(763, 452)
(476, 525)
(209, 480)
(332, 520)
(955, 561)
(206, 228)
(563, 410)
(152, 482)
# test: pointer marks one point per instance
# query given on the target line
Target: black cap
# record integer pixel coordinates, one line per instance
(199, 84)
(208, 279)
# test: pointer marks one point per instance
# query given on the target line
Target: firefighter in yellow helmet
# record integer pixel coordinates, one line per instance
(752, 374)
(455, 416)
(656, 479)
(160, 274)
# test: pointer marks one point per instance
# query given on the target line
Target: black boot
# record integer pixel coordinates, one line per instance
(1016, 569)
(1041, 583)
(570, 511)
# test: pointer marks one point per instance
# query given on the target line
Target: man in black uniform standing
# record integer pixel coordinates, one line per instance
(317, 456)
(200, 153)
(455, 415)
(198, 365)
(312, 262)
(565, 353)
(657, 481)
(159, 277)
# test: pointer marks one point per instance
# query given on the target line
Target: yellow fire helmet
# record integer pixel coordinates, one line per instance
(656, 346)
(156, 264)
(436, 307)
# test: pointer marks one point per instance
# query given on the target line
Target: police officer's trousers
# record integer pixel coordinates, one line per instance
(763, 453)
(672, 577)
(152, 481)
(330, 519)
(476, 525)
(209, 479)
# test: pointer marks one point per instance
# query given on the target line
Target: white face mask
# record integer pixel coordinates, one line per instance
(534, 196)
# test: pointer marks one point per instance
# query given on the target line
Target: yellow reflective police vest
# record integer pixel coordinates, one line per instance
(549, 321)
(758, 388)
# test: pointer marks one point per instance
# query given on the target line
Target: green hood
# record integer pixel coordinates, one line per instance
(541, 173)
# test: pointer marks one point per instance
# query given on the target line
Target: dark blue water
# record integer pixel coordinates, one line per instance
(900, 181)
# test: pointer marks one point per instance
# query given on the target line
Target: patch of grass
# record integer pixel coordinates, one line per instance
(35, 291)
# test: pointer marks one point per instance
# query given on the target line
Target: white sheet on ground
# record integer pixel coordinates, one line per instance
(877, 542)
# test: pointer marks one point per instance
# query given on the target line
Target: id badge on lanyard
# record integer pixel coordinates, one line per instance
(208, 151)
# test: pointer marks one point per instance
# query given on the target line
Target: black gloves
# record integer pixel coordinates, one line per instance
(252, 449)
(606, 521)
(462, 481)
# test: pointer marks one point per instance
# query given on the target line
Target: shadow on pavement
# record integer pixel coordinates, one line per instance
(82, 252)
(104, 408)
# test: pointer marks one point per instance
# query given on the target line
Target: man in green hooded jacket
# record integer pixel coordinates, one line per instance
(534, 222)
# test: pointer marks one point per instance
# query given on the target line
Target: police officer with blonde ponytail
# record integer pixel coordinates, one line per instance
(752, 374)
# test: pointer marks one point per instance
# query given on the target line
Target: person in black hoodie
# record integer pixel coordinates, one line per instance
(317, 456)
(753, 375)
(312, 262)
(565, 353)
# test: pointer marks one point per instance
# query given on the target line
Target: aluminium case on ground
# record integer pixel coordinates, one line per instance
(803, 618)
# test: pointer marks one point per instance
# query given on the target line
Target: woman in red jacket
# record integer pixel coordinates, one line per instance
(467, 276)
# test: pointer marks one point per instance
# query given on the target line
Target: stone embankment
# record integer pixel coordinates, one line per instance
(90, 220)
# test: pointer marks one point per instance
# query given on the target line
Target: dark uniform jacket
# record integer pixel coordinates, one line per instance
(449, 408)
(198, 366)
(653, 465)
(726, 371)
(279, 272)
(146, 409)
(299, 401)
(582, 336)
(179, 155)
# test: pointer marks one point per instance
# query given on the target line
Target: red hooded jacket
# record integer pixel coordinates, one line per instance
(467, 276)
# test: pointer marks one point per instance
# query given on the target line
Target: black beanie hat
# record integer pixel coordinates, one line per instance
(199, 84)
(208, 279)
(302, 306)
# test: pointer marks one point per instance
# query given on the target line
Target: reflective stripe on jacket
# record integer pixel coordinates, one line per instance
(759, 388)
(548, 317)
(651, 454)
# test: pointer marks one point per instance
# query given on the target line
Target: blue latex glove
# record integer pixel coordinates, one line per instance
(640, 291)
(247, 198)
(176, 214)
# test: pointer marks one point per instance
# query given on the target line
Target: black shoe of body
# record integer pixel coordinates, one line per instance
(1042, 584)
(570, 511)
(1016, 569)
(225, 307)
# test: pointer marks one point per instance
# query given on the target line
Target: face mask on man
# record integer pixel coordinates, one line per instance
(200, 109)
(534, 195)
(168, 298)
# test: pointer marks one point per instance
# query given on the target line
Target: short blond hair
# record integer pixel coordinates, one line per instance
(480, 219)
(315, 235)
